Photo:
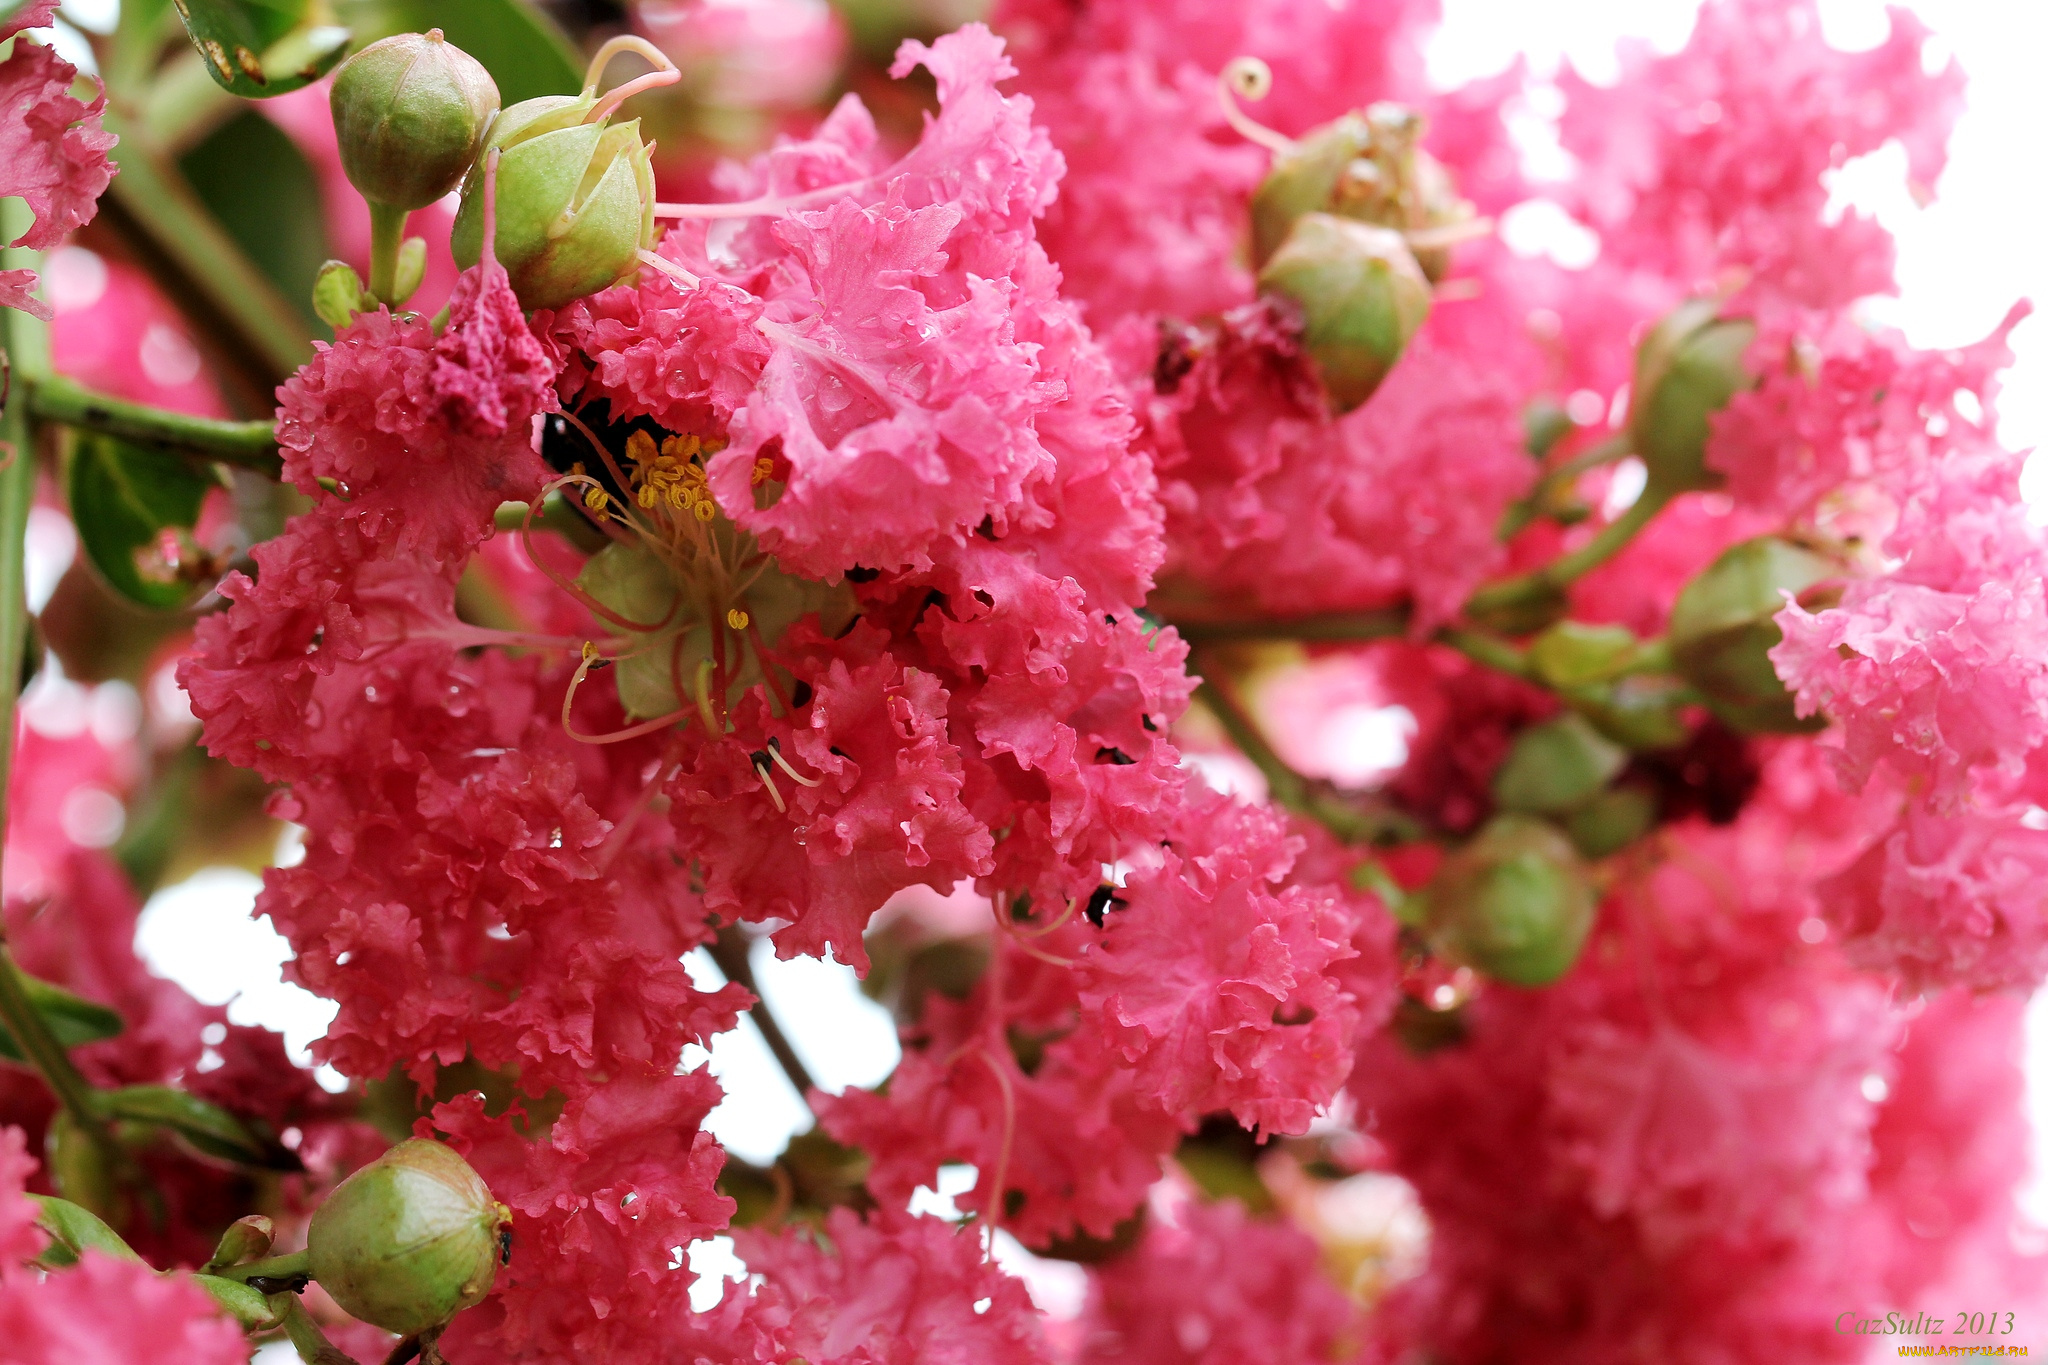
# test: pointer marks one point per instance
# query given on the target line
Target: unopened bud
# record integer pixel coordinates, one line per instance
(1687, 369)
(1722, 631)
(410, 1240)
(409, 112)
(247, 1239)
(1515, 903)
(1304, 180)
(575, 200)
(1363, 166)
(1361, 296)
(1557, 767)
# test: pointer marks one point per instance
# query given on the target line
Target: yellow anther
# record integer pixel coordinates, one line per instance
(681, 448)
(705, 510)
(648, 495)
(764, 469)
(596, 499)
(590, 654)
(640, 448)
(737, 619)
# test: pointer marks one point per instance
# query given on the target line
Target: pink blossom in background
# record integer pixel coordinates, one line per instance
(52, 145)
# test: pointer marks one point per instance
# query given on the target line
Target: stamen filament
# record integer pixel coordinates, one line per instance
(767, 776)
(993, 1211)
(646, 727)
(665, 73)
(1253, 79)
(768, 205)
(569, 586)
(669, 268)
(774, 751)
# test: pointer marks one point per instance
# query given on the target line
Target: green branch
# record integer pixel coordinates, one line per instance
(1549, 582)
(730, 951)
(246, 445)
(27, 347)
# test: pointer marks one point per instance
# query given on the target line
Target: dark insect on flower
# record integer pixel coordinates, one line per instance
(1102, 898)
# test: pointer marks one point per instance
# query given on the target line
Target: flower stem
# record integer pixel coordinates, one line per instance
(286, 1267)
(730, 951)
(1559, 573)
(26, 344)
(387, 234)
(247, 445)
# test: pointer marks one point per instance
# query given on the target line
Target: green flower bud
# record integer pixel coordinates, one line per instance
(409, 112)
(1573, 653)
(1687, 369)
(247, 1239)
(1722, 631)
(575, 200)
(1611, 821)
(410, 1240)
(1515, 903)
(1364, 166)
(1640, 713)
(1556, 767)
(1361, 295)
(1304, 180)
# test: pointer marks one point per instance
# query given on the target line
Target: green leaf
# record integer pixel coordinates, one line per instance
(259, 48)
(265, 195)
(72, 1020)
(122, 498)
(523, 49)
(75, 1231)
(207, 1126)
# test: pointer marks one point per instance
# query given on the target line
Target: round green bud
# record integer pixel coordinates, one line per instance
(410, 1240)
(575, 200)
(1687, 369)
(1361, 296)
(409, 112)
(1304, 180)
(1557, 767)
(1364, 166)
(1722, 631)
(1515, 903)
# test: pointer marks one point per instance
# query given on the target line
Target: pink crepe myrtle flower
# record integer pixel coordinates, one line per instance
(52, 145)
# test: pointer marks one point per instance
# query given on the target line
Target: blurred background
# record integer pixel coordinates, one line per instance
(196, 160)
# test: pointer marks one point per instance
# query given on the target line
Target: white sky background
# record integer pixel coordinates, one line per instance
(1962, 261)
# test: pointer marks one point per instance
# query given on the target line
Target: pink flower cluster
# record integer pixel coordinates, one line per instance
(51, 143)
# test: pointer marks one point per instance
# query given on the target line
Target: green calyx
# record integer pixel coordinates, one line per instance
(409, 113)
(1723, 628)
(1687, 368)
(1361, 297)
(574, 200)
(1515, 903)
(410, 1240)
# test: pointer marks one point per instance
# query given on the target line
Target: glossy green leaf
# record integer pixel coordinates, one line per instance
(260, 188)
(207, 1126)
(523, 49)
(72, 1020)
(74, 1231)
(259, 48)
(122, 499)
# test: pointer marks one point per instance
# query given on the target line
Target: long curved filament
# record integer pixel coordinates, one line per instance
(1251, 79)
(665, 73)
